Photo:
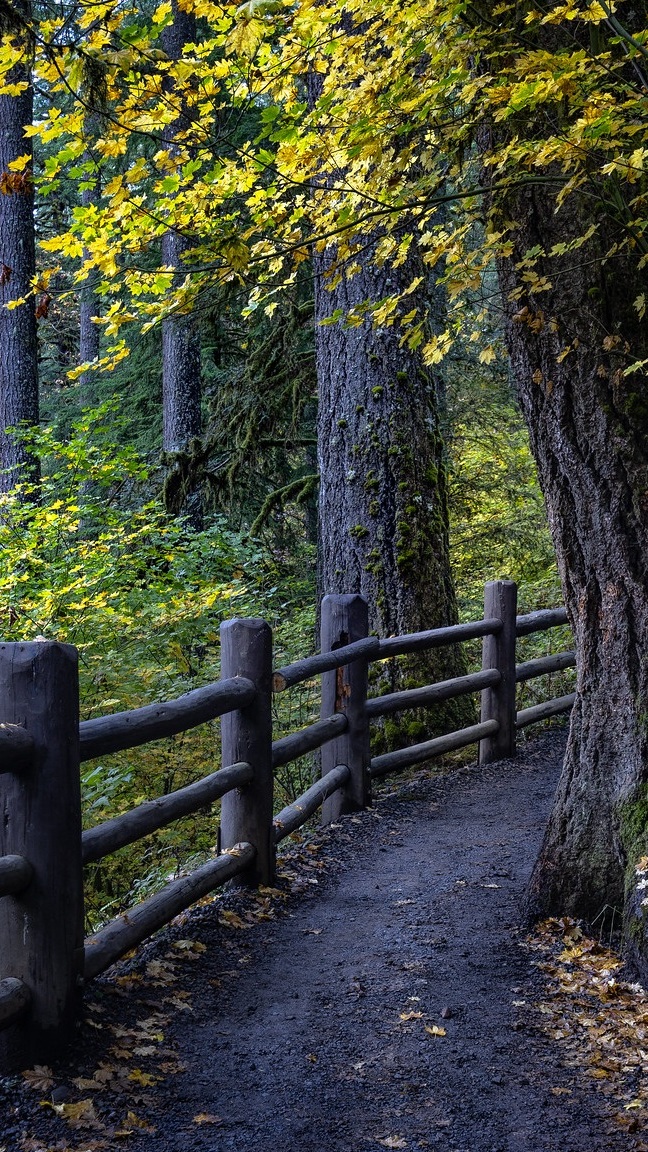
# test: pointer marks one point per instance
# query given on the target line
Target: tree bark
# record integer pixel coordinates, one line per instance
(18, 344)
(89, 332)
(383, 517)
(181, 360)
(589, 434)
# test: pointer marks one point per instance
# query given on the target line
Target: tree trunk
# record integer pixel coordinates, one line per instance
(18, 345)
(589, 433)
(383, 518)
(89, 332)
(181, 363)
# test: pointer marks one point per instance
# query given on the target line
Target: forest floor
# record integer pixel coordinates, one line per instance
(382, 996)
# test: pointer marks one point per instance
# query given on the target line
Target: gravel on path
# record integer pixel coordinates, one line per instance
(387, 1004)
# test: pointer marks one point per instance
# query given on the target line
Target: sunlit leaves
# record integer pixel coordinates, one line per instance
(256, 175)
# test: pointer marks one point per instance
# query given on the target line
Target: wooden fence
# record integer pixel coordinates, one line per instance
(44, 959)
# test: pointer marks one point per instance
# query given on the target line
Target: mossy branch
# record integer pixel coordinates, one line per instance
(298, 490)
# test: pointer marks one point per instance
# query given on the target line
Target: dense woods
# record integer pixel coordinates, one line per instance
(281, 246)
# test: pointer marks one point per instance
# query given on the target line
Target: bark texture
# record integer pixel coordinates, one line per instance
(181, 362)
(589, 433)
(383, 518)
(89, 332)
(18, 347)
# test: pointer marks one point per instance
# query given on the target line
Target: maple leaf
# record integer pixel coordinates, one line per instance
(42, 307)
(78, 1115)
(411, 1015)
(85, 1085)
(39, 1077)
(134, 1123)
(143, 1078)
(161, 972)
(190, 945)
(434, 1030)
(207, 1118)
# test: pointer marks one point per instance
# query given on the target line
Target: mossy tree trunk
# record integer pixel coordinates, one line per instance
(589, 433)
(383, 517)
(18, 345)
(181, 349)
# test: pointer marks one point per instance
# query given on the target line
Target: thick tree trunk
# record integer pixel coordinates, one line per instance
(383, 519)
(589, 432)
(18, 346)
(181, 361)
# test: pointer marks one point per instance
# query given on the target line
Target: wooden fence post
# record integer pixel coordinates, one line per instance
(41, 924)
(498, 701)
(344, 620)
(246, 812)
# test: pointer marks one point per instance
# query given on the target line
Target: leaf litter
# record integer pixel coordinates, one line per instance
(599, 1020)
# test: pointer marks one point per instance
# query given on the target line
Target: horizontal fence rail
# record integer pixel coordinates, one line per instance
(41, 859)
(16, 748)
(432, 694)
(419, 753)
(105, 838)
(122, 934)
(557, 707)
(124, 730)
(544, 666)
(324, 662)
(15, 998)
(16, 874)
(438, 637)
(288, 748)
(294, 815)
(540, 621)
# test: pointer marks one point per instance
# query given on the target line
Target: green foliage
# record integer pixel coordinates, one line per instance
(498, 520)
(83, 560)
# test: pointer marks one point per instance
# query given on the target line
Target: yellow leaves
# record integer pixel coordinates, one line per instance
(602, 1022)
(245, 37)
(207, 1118)
(80, 1114)
(20, 163)
(437, 348)
(434, 1030)
(162, 12)
(592, 13)
(133, 1123)
(487, 355)
(144, 1079)
(232, 920)
(406, 1016)
(67, 245)
(112, 146)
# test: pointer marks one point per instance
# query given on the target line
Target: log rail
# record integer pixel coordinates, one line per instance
(42, 744)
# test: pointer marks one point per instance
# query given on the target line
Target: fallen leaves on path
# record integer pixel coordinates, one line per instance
(599, 1020)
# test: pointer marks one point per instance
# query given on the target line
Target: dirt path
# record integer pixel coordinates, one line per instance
(316, 1030)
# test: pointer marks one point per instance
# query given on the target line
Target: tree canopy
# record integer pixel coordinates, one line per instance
(420, 106)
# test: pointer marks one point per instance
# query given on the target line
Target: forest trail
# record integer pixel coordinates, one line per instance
(391, 1006)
